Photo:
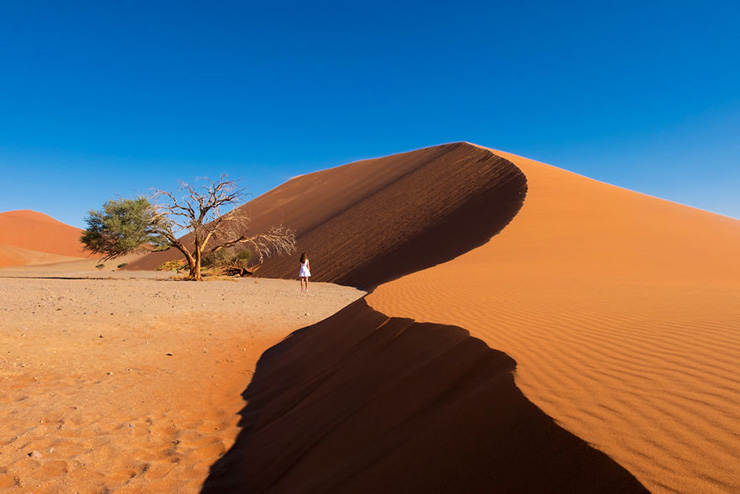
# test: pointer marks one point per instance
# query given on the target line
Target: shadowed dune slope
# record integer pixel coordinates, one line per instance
(365, 403)
(623, 314)
(28, 237)
(372, 221)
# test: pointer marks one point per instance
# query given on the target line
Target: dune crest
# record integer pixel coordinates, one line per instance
(368, 222)
(621, 311)
(28, 237)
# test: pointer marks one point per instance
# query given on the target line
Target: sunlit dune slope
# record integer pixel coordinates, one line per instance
(372, 221)
(28, 237)
(623, 314)
(365, 403)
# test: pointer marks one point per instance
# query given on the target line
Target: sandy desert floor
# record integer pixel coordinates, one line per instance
(121, 382)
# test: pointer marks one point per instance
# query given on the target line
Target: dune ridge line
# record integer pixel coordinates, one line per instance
(621, 311)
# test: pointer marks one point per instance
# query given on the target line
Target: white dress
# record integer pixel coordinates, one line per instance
(304, 272)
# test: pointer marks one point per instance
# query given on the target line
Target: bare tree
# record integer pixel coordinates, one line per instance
(208, 212)
(200, 210)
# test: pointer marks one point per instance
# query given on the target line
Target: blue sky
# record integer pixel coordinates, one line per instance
(103, 99)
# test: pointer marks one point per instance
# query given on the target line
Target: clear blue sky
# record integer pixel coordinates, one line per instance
(100, 99)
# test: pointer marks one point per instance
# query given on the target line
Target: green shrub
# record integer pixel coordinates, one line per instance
(227, 258)
(171, 266)
(244, 255)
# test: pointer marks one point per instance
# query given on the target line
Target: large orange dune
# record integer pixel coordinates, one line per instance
(623, 314)
(28, 237)
(529, 330)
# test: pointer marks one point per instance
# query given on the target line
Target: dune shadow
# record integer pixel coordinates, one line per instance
(365, 403)
(373, 221)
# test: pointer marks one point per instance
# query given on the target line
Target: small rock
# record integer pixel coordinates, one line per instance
(169, 355)
(110, 373)
(35, 454)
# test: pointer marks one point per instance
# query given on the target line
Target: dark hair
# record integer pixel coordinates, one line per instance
(303, 258)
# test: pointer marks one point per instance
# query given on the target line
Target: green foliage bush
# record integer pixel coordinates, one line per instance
(123, 226)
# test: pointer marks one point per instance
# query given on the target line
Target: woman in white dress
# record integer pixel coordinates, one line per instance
(304, 273)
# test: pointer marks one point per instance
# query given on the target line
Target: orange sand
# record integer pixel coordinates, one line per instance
(623, 314)
(18, 256)
(132, 385)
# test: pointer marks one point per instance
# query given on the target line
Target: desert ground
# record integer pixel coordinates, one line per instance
(132, 382)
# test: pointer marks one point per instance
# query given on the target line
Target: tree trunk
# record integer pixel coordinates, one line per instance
(195, 272)
(194, 269)
(197, 257)
(193, 266)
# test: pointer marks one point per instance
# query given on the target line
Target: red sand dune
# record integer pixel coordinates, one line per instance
(28, 237)
(620, 310)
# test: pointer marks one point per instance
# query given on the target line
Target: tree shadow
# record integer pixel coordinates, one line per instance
(365, 403)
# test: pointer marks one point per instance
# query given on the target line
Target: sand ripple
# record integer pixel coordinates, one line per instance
(622, 312)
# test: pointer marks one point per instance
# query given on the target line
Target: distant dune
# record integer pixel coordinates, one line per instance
(28, 237)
